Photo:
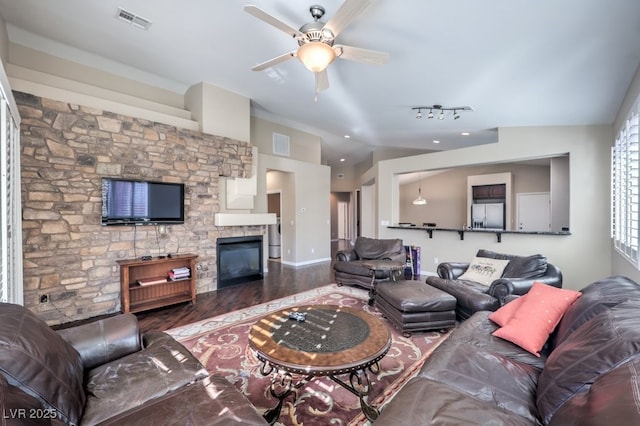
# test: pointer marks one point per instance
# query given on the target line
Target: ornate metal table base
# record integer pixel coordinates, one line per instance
(283, 385)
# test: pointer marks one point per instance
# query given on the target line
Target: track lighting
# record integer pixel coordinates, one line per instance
(440, 110)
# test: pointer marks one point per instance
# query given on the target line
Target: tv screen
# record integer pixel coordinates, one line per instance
(127, 202)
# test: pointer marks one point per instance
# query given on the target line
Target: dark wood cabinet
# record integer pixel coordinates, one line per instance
(145, 284)
(481, 192)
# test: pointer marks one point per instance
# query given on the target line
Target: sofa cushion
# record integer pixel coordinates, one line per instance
(485, 375)
(595, 348)
(503, 315)
(36, 359)
(535, 316)
(164, 365)
(426, 402)
(533, 266)
(372, 248)
(596, 297)
(212, 402)
(484, 270)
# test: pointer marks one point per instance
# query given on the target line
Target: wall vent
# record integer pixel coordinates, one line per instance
(133, 19)
(281, 144)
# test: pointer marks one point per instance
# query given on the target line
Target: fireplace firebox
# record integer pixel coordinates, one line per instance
(239, 260)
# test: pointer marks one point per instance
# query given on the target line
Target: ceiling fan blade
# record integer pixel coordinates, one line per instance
(349, 10)
(264, 16)
(322, 81)
(361, 55)
(274, 61)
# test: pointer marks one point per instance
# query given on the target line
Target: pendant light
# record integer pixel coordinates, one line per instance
(419, 201)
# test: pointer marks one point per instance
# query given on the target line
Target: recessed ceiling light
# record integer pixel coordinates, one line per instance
(435, 141)
(347, 136)
(342, 159)
(465, 133)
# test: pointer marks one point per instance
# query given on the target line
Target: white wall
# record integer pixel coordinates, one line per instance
(583, 256)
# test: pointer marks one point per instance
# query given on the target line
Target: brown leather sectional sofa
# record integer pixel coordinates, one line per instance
(105, 372)
(588, 374)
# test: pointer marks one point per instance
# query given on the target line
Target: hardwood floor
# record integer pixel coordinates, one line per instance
(280, 281)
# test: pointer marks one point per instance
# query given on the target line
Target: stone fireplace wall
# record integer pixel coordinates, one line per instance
(66, 150)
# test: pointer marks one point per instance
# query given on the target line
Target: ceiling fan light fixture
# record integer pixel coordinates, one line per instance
(316, 56)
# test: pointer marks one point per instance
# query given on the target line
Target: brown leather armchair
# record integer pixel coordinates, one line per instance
(517, 278)
(349, 266)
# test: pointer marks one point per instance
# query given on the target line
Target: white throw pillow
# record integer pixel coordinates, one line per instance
(484, 270)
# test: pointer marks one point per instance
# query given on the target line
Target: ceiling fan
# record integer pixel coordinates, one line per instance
(316, 48)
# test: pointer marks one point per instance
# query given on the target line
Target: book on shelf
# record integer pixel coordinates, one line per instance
(151, 281)
(179, 273)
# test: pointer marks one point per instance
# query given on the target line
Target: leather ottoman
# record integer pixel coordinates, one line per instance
(415, 306)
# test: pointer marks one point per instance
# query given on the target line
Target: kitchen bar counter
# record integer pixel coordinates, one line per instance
(462, 231)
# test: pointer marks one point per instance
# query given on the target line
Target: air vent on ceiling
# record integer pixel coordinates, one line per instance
(280, 144)
(133, 19)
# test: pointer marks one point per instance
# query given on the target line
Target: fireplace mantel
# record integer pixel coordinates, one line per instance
(242, 219)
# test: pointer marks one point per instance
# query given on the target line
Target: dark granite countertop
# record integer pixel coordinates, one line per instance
(462, 231)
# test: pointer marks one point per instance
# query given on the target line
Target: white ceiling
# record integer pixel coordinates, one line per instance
(517, 63)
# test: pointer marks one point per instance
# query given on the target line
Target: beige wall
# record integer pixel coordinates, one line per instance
(305, 220)
(303, 146)
(4, 43)
(583, 257)
(219, 112)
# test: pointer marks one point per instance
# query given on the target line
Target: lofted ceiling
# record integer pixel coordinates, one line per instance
(516, 63)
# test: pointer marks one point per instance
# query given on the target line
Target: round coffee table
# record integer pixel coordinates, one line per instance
(331, 340)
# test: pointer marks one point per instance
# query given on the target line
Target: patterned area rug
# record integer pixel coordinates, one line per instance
(220, 343)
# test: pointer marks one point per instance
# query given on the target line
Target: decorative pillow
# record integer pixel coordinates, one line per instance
(537, 316)
(503, 315)
(484, 270)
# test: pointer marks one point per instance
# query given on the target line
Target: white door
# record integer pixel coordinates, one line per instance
(534, 211)
(343, 220)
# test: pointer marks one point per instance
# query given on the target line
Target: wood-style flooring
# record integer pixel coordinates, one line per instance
(280, 281)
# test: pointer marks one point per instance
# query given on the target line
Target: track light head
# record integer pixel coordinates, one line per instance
(441, 115)
(419, 114)
(430, 114)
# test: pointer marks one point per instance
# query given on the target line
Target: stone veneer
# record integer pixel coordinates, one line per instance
(68, 254)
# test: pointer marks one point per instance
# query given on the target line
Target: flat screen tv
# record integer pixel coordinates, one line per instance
(136, 202)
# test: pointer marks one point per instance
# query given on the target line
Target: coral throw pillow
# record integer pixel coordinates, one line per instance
(503, 315)
(536, 316)
(484, 270)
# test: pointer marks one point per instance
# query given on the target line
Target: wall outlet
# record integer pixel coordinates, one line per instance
(435, 261)
(44, 298)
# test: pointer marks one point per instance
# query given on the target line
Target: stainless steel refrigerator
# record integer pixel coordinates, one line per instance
(487, 216)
